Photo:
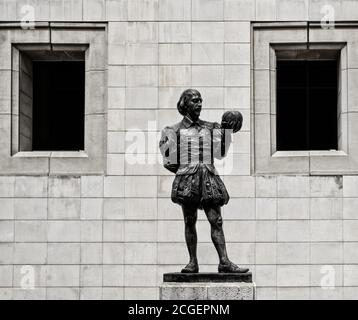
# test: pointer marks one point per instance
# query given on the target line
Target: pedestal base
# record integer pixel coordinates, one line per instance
(208, 286)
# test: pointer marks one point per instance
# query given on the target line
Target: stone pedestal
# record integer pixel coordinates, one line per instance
(207, 286)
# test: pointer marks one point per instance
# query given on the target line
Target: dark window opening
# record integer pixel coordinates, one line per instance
(58, 105)
(307, 94)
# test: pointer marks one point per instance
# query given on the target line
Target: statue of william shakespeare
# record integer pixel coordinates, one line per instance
(189, 149)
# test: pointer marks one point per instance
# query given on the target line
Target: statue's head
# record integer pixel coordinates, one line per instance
(190, 104)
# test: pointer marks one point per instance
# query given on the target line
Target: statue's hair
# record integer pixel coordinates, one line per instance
(182, 104)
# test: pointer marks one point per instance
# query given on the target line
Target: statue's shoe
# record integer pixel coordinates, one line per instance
(191, 267)
(231, 268)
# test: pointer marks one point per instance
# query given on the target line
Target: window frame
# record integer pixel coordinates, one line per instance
(90, 37)
(267, 39)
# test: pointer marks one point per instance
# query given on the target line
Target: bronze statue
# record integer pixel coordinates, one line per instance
(189, 149)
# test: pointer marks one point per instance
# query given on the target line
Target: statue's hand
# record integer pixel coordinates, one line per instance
(232, 120)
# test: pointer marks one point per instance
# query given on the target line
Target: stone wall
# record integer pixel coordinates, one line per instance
(112, 236)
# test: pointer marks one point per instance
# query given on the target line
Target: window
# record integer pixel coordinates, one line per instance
(304, 110)
(52, 97)
(306, 97)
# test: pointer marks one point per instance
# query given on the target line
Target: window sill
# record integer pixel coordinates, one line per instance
(321, 153)
(51, 154)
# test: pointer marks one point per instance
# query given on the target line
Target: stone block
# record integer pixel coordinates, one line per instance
(31, 231)
(91, 231)
(64, 231)
(6, 276)
(141, 98)
(62, 276)
(239, 209)
(30, 208)
(350, 230)
(115, 164)
(265, 276)
(116, 98)
(237, 53)
(31, 187)
(140, 209)
(113, 209)
(266, 208)
(237, 97)
(237, 31)
(64, 187)
(64, 209)
(208, 32)
(328, 187)
(66, 10)
(206, 291)
(142, 53)
(137, 186)
(266, 253)
(91, 209)
(116, 120)
(7, 187)
(207, 53)
(7, 209)
(141, 76)
(294, 293)
(293, 275)
(266, 230)
(293, 231)
(140, 231)
(237, 75)
(62, 293)
(208, 76)
(175, 54)
(326, 208)
(241, 187)
(174, 76)
(116, 10)
(293, 253)
(91, 186)
(113, 186)
(145, 10)
(239, 10)
(293, 208)
(91, 253)
(91, 276)
(113, 293)
(326, 230)
(350, 186)
(295, 10)
(265, 10)
(293, 186)
(141, 253)
(94, 10)
(141, 293)
(6, 231)
(113, 253)
(113, 231)
(64, 253)
(113, 276)
(140, 275)
(174, 10)
(30, 253)
(326, 253)
(174, 32)
(91, 293)
(207, 10)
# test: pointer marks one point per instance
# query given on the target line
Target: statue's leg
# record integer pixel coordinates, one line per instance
(190, 218)
(217, 233)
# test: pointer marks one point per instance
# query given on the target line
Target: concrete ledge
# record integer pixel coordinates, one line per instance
(207, 291)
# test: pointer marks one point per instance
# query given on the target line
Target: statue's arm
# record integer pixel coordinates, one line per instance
(221, 141)
(169, 149)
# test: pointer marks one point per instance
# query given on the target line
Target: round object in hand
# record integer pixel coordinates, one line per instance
(232, 120)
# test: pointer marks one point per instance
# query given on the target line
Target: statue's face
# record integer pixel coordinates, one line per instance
(194, 106)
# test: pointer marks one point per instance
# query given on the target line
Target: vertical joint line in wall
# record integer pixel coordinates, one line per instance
(308, 35)
(51, 47)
